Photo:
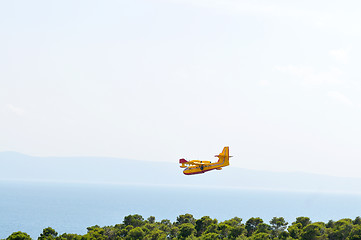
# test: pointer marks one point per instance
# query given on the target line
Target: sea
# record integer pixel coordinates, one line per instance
(72, 207)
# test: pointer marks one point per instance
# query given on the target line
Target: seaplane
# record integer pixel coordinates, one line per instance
(197, 166)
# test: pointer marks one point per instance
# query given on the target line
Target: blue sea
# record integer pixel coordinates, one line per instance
(71, 208)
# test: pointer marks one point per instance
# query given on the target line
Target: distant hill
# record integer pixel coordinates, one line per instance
(20, 167)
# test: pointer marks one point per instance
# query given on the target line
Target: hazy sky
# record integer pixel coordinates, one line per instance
(159, 80)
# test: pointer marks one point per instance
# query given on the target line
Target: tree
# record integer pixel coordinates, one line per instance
(209, 236)
(213, 228)
(69, 236)
(203, 223)
(295, 230)
(355, 233)
(237, 231)
(186, 218)
(135, 233)
(174, 231)
(252, 224)
(135, 220)
(284, 235)
(224, 230)
(341, 229)
(166, 222)
(151, 219)
(260, 236)
(330, 224)
(111, 232)
(278, 225)
(155, 235)
(357, 221)
(303, 220)
(263, 228)
(148, 227)
(186, 230)
(242, 237)
(165, 226)
(19, 236)
(92, 228)
(313, 231)
(48, 233)
(125, 230)
(236, 221)
(95, 232)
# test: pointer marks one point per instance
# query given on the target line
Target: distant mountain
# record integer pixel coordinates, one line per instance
(20, 167)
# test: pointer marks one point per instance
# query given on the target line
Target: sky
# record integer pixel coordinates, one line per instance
(154, 80)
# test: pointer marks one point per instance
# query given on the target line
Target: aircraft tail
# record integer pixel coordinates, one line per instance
(182, 160)
(223, 157)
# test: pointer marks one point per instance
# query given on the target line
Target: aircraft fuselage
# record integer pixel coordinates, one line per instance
(197, 167)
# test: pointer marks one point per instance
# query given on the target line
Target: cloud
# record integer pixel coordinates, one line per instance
(263, 83)
(252, 8)
(339, 97)
(340, 55)
(309, 76)
(16, 110)
(341, 18)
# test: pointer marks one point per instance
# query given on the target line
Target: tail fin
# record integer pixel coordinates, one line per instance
(182, 160)
(223, 157)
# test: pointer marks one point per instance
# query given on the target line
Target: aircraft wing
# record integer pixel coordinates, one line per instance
(193, 162)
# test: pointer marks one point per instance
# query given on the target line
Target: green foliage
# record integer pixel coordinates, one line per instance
(209, 236)
(19, 236)
(134, 220)
(213, 228)
(237, 231)
(186, 230)
(313, 231)
(155, 235)
(236, 221)
(355, 233)
(295, 230)
(135, 233)
(151, 219)
(224, 230)
(330, 224)
(303, 220)
(95, 233)
(69, 236)
(357, 221)
(284, 235)
(186, 227)
(203, 223)
(48, 234)
(165, 226)
(341, 229)
(251, 225)
(173, 233)
(260, 236)
(186, 218)
(278, 225)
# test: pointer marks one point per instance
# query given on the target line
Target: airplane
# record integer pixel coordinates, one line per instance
(197, 166)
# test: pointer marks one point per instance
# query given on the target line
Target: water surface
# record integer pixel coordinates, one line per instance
(71, 208)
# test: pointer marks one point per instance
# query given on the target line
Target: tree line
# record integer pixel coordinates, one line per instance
(186, 227)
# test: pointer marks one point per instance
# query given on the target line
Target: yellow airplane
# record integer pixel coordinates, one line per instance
(196, 166)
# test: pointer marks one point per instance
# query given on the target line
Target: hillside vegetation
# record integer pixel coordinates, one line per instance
(187, 227)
